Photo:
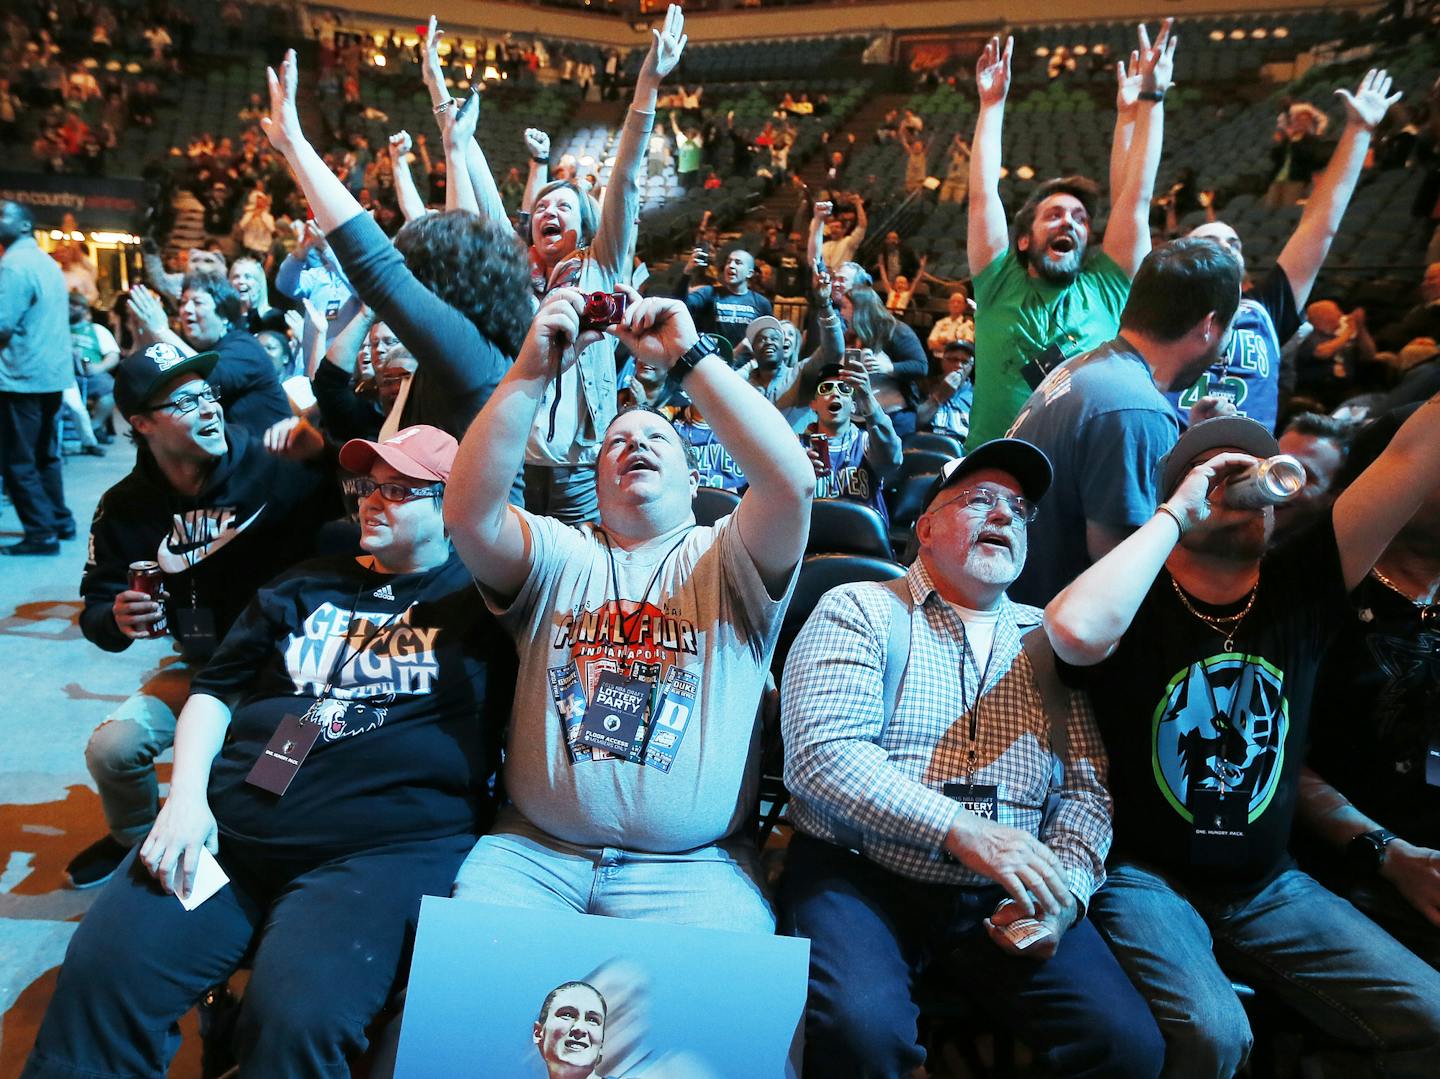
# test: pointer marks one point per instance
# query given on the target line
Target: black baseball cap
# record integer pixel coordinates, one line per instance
(141, 373)
(1023, 460)
(1223, 432)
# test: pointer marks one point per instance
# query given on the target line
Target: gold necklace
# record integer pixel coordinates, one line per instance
(1216, 622)
(1428, 608)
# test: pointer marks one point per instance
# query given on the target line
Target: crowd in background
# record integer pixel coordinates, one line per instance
(387, 375)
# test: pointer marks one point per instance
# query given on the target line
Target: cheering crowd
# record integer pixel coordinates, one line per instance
(1148, 703)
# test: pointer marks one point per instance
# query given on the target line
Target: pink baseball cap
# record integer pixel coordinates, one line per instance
(421, 452)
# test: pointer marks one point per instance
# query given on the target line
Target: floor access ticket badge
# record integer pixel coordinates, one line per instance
(615, 720)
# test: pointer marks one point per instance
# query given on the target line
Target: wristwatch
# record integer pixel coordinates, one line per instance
(1151, 95)
(1366, 852)
(707, 345)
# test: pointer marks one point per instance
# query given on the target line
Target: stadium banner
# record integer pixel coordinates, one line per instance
(98, 202)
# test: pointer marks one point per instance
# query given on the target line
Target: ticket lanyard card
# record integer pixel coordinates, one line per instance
(570, 702)
(1221, 819)
(672, 717)
(284, 754)
(195, 626)
(1432, 761)
(982, 799)
(615, 720)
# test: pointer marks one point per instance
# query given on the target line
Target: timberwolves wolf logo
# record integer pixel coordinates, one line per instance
(1222, 724)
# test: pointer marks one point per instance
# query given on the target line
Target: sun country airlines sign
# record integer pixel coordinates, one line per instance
(97, 202)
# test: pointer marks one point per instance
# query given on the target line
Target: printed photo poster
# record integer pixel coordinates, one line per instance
(527, 994)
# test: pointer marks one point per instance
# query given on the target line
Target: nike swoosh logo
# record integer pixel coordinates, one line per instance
(178, 558)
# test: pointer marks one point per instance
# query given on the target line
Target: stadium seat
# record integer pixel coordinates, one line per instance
(839, 526)
(712, 503)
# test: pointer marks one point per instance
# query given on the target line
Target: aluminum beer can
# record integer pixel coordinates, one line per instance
(1266, 483)
(147, 577)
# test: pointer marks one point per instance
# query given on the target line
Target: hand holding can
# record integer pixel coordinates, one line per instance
(140, 610)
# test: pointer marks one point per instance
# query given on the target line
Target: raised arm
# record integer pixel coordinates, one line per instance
(1388, 493)
(458, 130)
(1087, 619)
(1127, 96)
(1127, 236)
(774, 514)
(815, 242)
(988, 235)
(493, 541)
(408, 195)
(329, 200)
(882, 448)
(615, 234)
(1305, 252)
(537, 144)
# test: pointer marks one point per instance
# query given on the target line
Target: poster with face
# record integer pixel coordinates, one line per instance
(557, 995)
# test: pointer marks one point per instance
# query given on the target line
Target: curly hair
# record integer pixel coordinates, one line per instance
(479, 268)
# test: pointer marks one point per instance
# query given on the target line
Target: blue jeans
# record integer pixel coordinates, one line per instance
(121, 752)
(714, 887)
(1293, 938)
(872, 932)
(330, 941)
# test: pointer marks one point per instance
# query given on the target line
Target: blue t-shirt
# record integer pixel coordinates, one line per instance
(851, 476)
(1105, 426)
(717, 468)
(1249, 375)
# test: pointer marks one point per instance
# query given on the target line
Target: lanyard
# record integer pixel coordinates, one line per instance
(965, 650)
(645, 596)
(347, 653)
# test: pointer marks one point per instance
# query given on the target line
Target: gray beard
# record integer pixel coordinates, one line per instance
(1059, 269)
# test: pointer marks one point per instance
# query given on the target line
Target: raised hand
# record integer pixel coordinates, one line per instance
(400, 145)
(1192, 497)
(1368, 105)
(1127, 83)
(656, 330)
(537, 143)
(461, 128)
(992, 72)
(282, 126)
(430, 70)
(149, 312)
(666, 49)
(1157, 61)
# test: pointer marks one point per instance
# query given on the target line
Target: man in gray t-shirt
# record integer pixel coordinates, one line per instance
(643, 641)
(1103, 419)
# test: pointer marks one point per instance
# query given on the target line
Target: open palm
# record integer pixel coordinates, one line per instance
(668, 46)
(1369, 103)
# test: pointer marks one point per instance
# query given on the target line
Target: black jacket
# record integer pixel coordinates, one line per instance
(256, 516)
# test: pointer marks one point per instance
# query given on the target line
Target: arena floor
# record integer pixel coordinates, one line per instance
(55, 688)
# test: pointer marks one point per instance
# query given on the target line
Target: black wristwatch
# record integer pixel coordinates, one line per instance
(1366, 852)
(706, 345)
(1151, 95)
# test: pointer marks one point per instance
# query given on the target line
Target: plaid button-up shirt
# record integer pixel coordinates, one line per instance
(851, 775)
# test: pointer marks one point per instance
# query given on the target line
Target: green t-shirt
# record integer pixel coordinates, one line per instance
(1018, 316)
(689, 156)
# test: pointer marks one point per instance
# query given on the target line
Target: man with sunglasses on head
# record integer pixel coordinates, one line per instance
(856, 461)
(219, 516)
(949, 802)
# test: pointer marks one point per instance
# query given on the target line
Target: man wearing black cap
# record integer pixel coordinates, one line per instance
(1200, 650)
(940, 812)
(221, 517)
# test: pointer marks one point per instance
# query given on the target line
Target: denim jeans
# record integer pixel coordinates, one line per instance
(30, 462)
(872, 932)
(565, 493)
(121, 752)
(1311, 949)
(330, 940)
(714, 887)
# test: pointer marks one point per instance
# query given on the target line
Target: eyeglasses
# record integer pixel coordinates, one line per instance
(825, 389)
(985, 500)
(187, 403)
(364, 486)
